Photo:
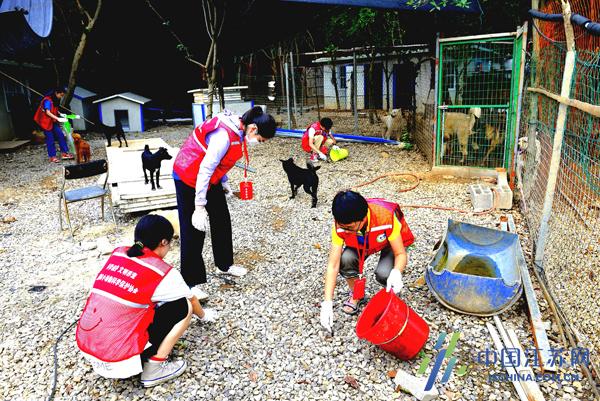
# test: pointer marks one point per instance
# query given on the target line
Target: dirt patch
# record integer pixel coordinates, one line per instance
(49, 183)
(249, 259)
(278, 223)
(8, 195)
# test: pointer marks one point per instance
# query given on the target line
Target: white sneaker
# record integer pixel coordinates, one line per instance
(198, 293)
(155, 372)
(234, 270)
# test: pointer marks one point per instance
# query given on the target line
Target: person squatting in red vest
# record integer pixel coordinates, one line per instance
(138, 308)
(364, 227)
(201, 185)
(317, 139)
(47, 117)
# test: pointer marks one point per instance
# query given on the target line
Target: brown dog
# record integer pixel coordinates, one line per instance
(82, 149)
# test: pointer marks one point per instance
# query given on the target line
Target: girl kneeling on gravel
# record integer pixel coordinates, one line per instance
(138, 308)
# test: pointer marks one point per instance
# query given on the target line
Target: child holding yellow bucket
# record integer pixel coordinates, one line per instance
(363, 227)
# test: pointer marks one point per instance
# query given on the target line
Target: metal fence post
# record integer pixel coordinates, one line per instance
(287, 95)
(293, 75)
(354, 95)
(558, 136)
(434, 135)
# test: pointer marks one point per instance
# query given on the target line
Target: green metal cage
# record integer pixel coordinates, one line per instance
(477, 97)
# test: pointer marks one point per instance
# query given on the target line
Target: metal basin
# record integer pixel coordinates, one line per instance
(475, 270)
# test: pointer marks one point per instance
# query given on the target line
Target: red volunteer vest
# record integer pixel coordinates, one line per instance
(382, 215)
(114, 323)
(41, 118)
(318, 131)
(187, 162)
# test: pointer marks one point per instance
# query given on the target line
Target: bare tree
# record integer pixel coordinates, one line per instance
(332, 50)
(213, 20)
(180, 45)
(88, 24)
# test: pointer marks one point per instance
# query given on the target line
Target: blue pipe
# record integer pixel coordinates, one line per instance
(292, 133)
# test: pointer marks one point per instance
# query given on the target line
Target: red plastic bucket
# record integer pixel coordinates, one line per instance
(392, 325)
(246, 190)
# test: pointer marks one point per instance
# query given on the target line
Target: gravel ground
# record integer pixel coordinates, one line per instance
(268, 343)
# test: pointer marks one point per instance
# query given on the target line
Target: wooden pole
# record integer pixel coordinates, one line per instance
(561, 121)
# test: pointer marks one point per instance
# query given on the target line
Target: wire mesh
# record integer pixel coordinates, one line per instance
(379, 97)
(475, 98)
(572, 249)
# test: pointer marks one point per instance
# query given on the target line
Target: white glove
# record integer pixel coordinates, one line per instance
(327, 315)
(227, 189)
(210, 315)
(322, 156)
(200, 218)
(335, 147)
(61, 120)
(394, 281)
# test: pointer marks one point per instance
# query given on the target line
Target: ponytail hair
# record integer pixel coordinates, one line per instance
(265, 122)
(149, 232)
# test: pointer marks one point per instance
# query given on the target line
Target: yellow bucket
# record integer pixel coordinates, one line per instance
(338, 154)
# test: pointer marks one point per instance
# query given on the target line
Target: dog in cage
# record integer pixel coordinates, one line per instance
(460, 125)
(495, 136)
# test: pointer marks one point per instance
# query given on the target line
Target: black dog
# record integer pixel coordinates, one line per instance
(305, 177)
(117, 131)
(151, 162)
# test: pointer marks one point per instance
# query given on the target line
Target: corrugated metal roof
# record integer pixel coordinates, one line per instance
(126, 95)
(38, 14)
(82, 93)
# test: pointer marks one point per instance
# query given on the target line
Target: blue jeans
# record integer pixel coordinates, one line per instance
(55, 134)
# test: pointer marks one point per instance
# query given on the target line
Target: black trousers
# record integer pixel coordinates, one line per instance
(166, 317)
(193, 269)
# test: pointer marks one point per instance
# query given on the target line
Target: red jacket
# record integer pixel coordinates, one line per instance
(318, 131)
(187, 162)
(382, 215)
(41, 118)
(114, 323)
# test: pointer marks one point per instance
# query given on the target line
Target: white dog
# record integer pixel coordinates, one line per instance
(394, 123)
(522, 159)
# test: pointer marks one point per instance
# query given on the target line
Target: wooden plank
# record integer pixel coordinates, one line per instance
(141, 202)
(125, 163)
(510, 370)
(535, 315)
(138, 189)
(511, 224)
(578, 104)
(530, 387)
(7, 146)
(149, 207)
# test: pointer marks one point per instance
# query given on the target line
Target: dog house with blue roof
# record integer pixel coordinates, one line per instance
(126, 107)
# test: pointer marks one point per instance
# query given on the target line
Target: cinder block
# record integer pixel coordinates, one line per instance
(415, 386)
(505, 197)
(481, 197)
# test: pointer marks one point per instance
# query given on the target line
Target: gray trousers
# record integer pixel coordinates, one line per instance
(349, 264)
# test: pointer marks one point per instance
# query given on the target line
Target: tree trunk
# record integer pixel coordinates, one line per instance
(387, 71)
(209, 80)
(371, 91)
(91, 21)
(335, 84)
